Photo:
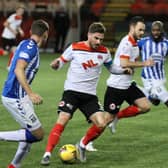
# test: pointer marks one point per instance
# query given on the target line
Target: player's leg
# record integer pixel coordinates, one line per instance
(113, 100)
(93, 111)
(138, 103)
(66, 108)
(54, 136)
(92, 133)
(149, 90)
(22, 151)
(23, 112)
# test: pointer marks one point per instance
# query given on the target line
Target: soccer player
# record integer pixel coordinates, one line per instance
(154, 46)
(153, 78)
(18, 97)
(120, 87)
(86, 59)
(12, 27)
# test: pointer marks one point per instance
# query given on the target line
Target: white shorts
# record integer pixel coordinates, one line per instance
(22, 111)
(156, 89)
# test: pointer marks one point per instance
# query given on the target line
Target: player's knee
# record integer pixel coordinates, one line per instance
(101, 124)
(145, 108)
(34, 137)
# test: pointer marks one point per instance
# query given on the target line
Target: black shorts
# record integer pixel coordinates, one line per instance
(86, 103)
(114, 98)
(7, 44)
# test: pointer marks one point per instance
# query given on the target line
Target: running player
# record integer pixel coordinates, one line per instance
(18, 97)
(154, 46)
(87, 58)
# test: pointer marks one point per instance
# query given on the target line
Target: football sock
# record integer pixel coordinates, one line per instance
(10, 58)
(1, 52)
(22, 151)
(130, 111)
(54, 137)
(92, 133)
(18, 135)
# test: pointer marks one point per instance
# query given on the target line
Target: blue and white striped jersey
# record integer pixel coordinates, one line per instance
(158, 51)
(28, 51)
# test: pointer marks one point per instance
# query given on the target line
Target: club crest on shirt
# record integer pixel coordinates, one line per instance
(61, 103)
(100, 57)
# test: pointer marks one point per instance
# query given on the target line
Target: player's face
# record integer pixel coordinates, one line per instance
(156, 32)
(20, 11)
(138, 30)
(95, 39)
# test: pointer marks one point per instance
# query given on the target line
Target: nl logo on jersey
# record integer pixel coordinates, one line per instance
(90, 63)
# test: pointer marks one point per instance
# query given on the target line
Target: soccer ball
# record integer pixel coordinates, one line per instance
(67, 153)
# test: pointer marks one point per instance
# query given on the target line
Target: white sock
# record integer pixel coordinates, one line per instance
(23, 149)
(47, 154)
(18, 135)
(81, 143)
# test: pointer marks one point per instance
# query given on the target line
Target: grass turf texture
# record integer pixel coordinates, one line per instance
(140, 142)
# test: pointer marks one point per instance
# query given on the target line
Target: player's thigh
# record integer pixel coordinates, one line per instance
(92, 109)
(113, 99)
(23, 112)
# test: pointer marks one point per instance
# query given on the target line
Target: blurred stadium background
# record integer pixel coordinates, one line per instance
(113, 13)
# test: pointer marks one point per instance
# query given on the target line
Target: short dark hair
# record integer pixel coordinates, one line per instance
(136, 19)
(38, 27)
(97, 27)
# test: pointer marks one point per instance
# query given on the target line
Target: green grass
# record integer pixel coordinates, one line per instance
(140, 142)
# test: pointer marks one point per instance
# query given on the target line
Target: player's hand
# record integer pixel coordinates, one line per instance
(149, 62)
(55, 64)
(128, 71)
(36, 99)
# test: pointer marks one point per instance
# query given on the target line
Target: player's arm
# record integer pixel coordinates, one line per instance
(21, 32)
(63, 59)
(20, 74)
(126, 63)
(114, 69)
(58, 63)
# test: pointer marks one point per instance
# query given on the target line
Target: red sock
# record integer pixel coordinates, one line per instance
(10, 58)
(130, 111)
(92, 133)
(54, 137)
(1, 52)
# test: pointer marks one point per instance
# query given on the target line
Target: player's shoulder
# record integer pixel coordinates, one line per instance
(28, 45)
(82, 46)
(126, 41)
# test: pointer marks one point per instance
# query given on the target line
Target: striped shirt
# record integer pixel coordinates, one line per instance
(27, 50)
(158, 51)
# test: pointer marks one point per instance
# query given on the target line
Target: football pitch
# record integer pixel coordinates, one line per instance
(139, 142)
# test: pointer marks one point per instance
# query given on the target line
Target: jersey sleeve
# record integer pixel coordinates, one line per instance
(67, 54)
(125, 50)
(10, 18)
(26, 51)
(108, 60)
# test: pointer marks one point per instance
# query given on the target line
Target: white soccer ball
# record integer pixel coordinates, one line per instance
(67, 153)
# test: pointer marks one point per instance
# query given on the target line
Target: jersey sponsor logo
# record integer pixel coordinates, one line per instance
(89, 64)
(23, 55)
(29, 47)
